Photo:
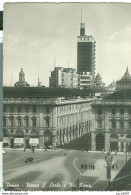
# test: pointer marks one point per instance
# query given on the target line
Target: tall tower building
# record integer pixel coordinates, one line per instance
(85, 52)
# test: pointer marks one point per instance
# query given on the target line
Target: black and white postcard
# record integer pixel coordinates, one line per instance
(67, 96)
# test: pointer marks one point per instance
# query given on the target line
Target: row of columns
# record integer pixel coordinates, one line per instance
(72, 133)
(107, 142)
(23, 122)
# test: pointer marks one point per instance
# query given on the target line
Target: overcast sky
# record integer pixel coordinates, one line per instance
(35, 33)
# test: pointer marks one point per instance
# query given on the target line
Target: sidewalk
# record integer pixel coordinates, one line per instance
(101, 152)
(100, 170)
(21, 149)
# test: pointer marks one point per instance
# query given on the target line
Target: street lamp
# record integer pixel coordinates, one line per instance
(127, 153)
(109, 160)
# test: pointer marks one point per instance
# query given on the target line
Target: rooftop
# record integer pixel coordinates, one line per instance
(118, 98)
(124, 94)
(126, 78)
(47, 92)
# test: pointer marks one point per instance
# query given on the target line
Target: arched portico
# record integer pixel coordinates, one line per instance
(128, 143)
(100, 142)
(113, 142)
(47, 138)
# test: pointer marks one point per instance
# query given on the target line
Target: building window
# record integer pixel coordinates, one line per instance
(113, 111)
(47, 122)
(19, 122)
(99, 124)
(129, 111)
(121, 111)
(27, 122)
(99, 111)
(121, 124)
(130, 125)
(47, 110)
(26, 109)
(4, 121)
(113, 124)
(11, 122)
(11, 109)
(4, 109)
(34, 122)
(19, 109)
(34, 109)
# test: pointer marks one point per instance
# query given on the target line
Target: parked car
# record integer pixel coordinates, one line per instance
(29, 159)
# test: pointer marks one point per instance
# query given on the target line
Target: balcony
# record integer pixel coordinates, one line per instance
(121, 115)
(99, 129)
(99, 116)
(113, 115)
(51, 101)
(128, 129)
(111, 103)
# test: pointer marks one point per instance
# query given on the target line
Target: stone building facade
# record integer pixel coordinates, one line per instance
(124, 82)
(111, 123)
(85, 80)
(63, 77)
(37, 120)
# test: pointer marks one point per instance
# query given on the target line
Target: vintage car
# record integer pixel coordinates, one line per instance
(29, 159)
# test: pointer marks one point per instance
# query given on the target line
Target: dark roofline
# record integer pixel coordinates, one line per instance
(124, 81)
(48, 92)
(39, 92)
(124, 94)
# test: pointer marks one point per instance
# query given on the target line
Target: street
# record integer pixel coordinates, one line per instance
(58, 170)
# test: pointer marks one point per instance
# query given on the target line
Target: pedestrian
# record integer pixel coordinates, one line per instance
(116, 166)
(77, 184)
(112, 166)
(89, 166)
(45, 148)
(33, 149)
(24, 148)
(93, 167)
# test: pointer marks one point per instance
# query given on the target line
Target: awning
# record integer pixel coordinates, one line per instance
(34, 141)
(19, 140)
(5, 140)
